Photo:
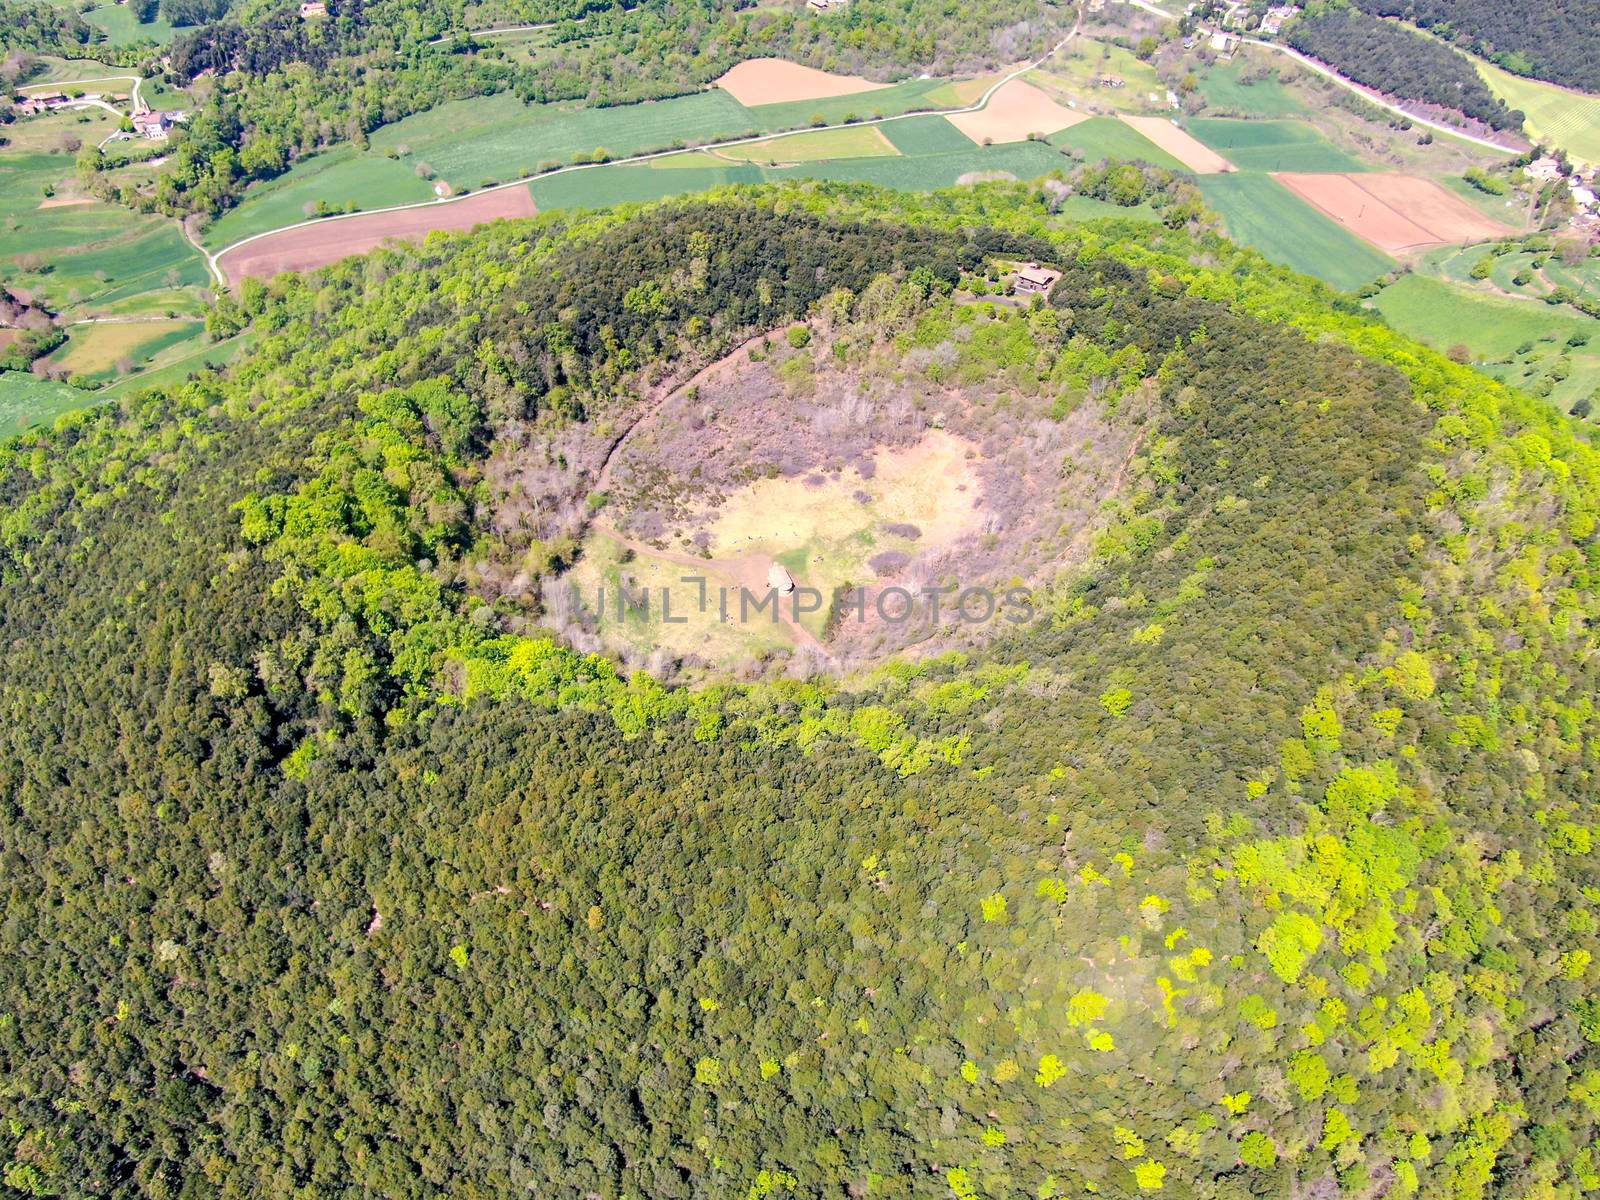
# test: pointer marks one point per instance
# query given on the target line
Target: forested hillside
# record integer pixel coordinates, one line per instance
(1260, 863)
(1558, 40)
(1398, 61)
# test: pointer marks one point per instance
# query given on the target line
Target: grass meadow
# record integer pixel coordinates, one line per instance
(1524, 342)
(122, 28)
(27, 400)
(1568, 119)
(1228, 93)
(88, 257)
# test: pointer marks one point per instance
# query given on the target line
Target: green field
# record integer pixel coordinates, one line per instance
(27, 400)
(1570, 120)
(1024, 160)
(1524, 342)
(83, 258)
(1106, 137)
(98, 353)
(599, 187)
(910, 96)
(497, 138)
(1541, 271)
(469, 143)
(853, 141)
(54, 70)
(176, 367)
(117, 22)
(1259, 212)
(925, 135)
(1225, 93)
(1272, 145)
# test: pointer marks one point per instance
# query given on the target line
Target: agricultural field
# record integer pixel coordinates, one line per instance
(1247, 87)
(855, 141)
(1101, 138)
(914, 95)
(1399, 214)
(28, 400)
(468, 143)
(340, 179)
(101, 352)
(1260, 212)
(1271, 145)
(759, 81)
(1550, 351)
(1016, 112)
(76, 254)
(926, 135)
(316, 245)
(122, 28)
(1018, 160)
(178, 364)
(960, 93)
(601, 186)
(50, 69)
(1557, 115)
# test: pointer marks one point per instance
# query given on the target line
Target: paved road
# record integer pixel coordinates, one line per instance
(1328, 72)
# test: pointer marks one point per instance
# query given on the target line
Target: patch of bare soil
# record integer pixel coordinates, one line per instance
(873, 475)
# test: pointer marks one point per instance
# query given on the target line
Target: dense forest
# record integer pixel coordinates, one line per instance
(1398, 61)
(1558, 40)
(1261, 863)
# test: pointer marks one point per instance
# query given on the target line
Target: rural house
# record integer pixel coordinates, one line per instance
(1034, 280)
(1276, 16)
(313, 8)
(40, 102)
(825, 5)
(152, 124)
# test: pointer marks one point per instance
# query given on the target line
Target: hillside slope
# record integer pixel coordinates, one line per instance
(1262, 859)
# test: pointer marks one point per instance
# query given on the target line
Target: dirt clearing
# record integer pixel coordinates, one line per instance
(778, 81)
(311, 246)
(1015, 111)
(1397, 213)
(1184, 147)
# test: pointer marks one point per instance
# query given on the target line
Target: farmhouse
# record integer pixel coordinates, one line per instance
(779, 579)
(1224, 43)
(1276, 16)
(40, 102)
(1035, 280)
(152, 124)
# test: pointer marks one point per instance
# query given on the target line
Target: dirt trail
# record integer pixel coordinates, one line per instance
(747, 571)
(744, 571)
(672, 391)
